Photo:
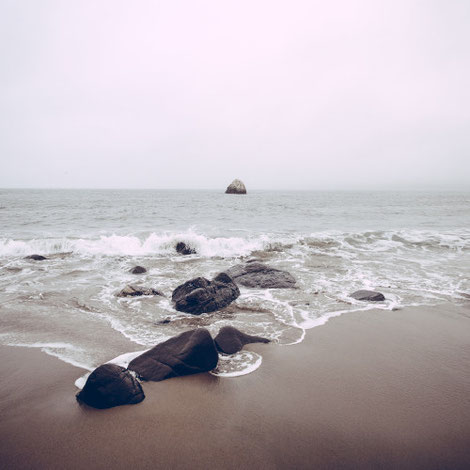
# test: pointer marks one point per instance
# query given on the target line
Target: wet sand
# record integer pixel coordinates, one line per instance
(374, 389)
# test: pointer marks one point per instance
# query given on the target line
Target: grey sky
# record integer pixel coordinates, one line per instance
(191, 94)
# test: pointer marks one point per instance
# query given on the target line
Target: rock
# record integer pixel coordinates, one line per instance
(230, 340)
(133, 291)
(36, 257)
(259, 275)
(367, 296)
(111, 385)
(236, 187)
(184, 249)
(138, 270)
(189, 353)
(200, 295)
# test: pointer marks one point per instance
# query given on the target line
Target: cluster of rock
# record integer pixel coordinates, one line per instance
(191, 352)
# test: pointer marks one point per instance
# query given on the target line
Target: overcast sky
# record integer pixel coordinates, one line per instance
(350, 94)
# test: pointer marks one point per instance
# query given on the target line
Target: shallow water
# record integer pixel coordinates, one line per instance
(412, 246)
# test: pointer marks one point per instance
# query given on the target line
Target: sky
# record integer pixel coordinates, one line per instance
(350, 94)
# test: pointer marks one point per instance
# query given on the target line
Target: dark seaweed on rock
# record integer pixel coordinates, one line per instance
(189, 353)
(258, 275)
(200, 295)
(230, 340)
(111, 385)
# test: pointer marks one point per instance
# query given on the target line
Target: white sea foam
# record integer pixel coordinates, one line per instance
(241, 363)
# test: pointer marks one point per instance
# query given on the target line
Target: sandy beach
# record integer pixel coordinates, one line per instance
(375, 389)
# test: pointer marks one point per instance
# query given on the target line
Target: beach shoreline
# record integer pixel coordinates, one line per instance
(371, 389)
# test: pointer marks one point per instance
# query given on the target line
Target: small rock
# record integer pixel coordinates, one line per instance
(230, 340)
(111, 385)
(36, 257)
(138, 270)
(184, 249)
(236, 187)
(367, 296)
(133, 291)
(189, 353)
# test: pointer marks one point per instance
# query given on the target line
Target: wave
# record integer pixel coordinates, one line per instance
(164, 243)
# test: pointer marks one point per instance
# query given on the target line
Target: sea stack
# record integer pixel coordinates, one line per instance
(236, 187)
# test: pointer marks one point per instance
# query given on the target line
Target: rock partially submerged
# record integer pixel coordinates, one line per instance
(36, 257)
(236, 187)
(189, 353)
(138, 270)
(259, 275)
(200, 295)
(111, 385)
(230, 340)
(184, 249)
(134, 291)
(367, 296)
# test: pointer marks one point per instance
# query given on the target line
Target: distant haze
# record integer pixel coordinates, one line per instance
(192, 94)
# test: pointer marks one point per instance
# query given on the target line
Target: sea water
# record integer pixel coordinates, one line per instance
(414, 247)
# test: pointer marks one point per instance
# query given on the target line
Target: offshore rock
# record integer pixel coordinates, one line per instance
(230, 340)
(259, 275)
(36, 257)
(133, 291)
(138, 270)
(236, 187)
(200, 295)
(184, 249)
(189, 353)
(111, 385)
(367, 296)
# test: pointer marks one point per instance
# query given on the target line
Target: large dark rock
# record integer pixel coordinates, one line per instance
(189, 353)
(111, 385)
(184, 249)
(36, 257)
(134, 291)
(138, 270)
(367, 296)
(200, 295)
(259, 275)
(230, 340)
(236, 187)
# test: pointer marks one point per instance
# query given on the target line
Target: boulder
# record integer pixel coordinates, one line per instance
(134, 291)
(138, 270)
(184, 249)
(111, 385)
(236, 187)
(200, 295)
(36, 257)
(189, 353)
(259, 275)
(367, 296)
(230, 340)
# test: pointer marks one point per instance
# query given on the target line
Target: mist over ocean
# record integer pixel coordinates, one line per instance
(414, 247)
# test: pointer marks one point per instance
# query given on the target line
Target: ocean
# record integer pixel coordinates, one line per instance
(414, 247)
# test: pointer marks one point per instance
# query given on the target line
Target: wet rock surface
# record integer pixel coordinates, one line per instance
(258, 275)
(367, 296)
(184, 249)
(111, 385)
(189, 353)
(138, 270)
(230, 340)
(200, 295)
(134, 291)
(36, 257)
(236, 187)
